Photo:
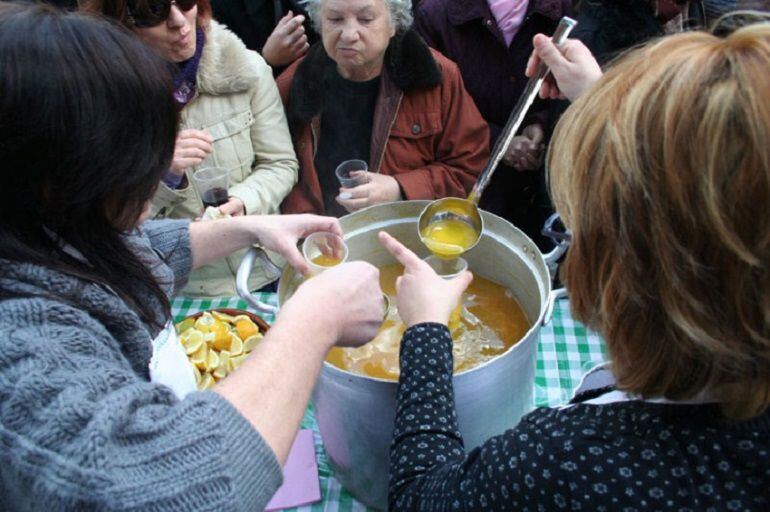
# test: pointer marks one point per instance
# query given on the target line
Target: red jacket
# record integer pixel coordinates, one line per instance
(427, 133)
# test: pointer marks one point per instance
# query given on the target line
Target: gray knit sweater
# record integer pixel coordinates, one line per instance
(81, 425)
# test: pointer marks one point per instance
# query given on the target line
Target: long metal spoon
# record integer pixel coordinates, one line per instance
(466, 210)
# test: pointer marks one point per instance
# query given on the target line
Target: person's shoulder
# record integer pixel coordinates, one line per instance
(579, 420)
(445, 63)
(450, 72)
(36, 322)
(632, 418)
(287, 75)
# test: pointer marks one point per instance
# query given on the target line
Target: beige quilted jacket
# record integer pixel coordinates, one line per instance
(237, 103)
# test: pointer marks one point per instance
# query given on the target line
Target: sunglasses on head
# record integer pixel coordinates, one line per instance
(154, 12)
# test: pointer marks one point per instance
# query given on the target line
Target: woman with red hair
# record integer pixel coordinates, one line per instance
(661, 171)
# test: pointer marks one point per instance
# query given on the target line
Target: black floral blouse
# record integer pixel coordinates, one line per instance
(624, 456)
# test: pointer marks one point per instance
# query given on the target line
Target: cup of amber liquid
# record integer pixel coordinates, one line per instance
(323, 250)
(447, 268)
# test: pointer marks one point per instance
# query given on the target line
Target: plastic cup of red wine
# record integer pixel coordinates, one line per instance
(211, 184)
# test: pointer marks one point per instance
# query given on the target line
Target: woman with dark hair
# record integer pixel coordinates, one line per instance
(231, 117)
(662, 173)
(87, 130)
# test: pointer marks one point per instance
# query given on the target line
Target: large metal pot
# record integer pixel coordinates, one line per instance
(355, 413)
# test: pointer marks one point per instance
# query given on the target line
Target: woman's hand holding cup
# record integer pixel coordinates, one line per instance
(421, 294)
(281, 233)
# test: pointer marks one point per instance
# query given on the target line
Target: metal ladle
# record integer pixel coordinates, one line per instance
(467, 210)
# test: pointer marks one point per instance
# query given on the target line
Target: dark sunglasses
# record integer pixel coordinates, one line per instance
(154, 12)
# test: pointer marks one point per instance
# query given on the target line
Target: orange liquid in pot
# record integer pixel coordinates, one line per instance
(487, 324)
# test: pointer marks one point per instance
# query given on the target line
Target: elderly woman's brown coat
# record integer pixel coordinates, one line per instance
(427, 132)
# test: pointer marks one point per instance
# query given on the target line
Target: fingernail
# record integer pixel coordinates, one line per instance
(345, 195)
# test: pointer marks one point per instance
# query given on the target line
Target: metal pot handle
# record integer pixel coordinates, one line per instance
(561, 239)
(242, 279)
(559, 293)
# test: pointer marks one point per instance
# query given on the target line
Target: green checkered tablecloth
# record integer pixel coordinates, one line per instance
(566, 351)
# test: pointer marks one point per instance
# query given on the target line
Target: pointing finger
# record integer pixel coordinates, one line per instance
(403, 255)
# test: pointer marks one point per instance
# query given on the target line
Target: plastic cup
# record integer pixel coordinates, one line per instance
(323, 250)
(348, 166)
(211, 184)
(447, 268)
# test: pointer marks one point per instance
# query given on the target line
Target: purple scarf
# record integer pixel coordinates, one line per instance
(185, 81)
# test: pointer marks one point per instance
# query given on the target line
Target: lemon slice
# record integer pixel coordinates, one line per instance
(236, 345)
(212, 361)
(209, 338)
(224, 357)
(199, 358)
(192, 342)
(222, 370)
(236, 361)
(251, 343)
(197, 374)
(207, 382)
(223, 317)
(185, 325)
(204, 322)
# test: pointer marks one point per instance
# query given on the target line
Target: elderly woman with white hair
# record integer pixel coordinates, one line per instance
(374, 91)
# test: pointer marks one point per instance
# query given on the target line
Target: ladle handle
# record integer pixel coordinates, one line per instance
(519, 111)
(242, 279)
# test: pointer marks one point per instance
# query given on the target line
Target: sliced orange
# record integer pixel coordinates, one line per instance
(246, 328)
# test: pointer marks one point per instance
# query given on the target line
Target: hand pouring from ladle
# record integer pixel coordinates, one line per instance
(451, 226)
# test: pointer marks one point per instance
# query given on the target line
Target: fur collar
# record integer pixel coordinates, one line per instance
(226, 65)
(409, 65)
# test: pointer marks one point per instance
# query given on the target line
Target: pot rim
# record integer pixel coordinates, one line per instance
(544, 288)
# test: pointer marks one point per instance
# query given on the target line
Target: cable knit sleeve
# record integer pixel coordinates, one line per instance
(81, 428)
(170, 239)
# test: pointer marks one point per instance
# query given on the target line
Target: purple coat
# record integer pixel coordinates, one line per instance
(466, 32)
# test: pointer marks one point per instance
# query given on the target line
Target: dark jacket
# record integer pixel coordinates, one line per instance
(466, 32)
(254, 20)
(626, 453)
(426, 131)
(608, 27)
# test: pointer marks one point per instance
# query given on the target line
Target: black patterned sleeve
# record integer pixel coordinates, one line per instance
(429, 469)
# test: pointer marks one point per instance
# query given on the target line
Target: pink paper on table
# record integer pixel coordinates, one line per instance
(300, 475)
